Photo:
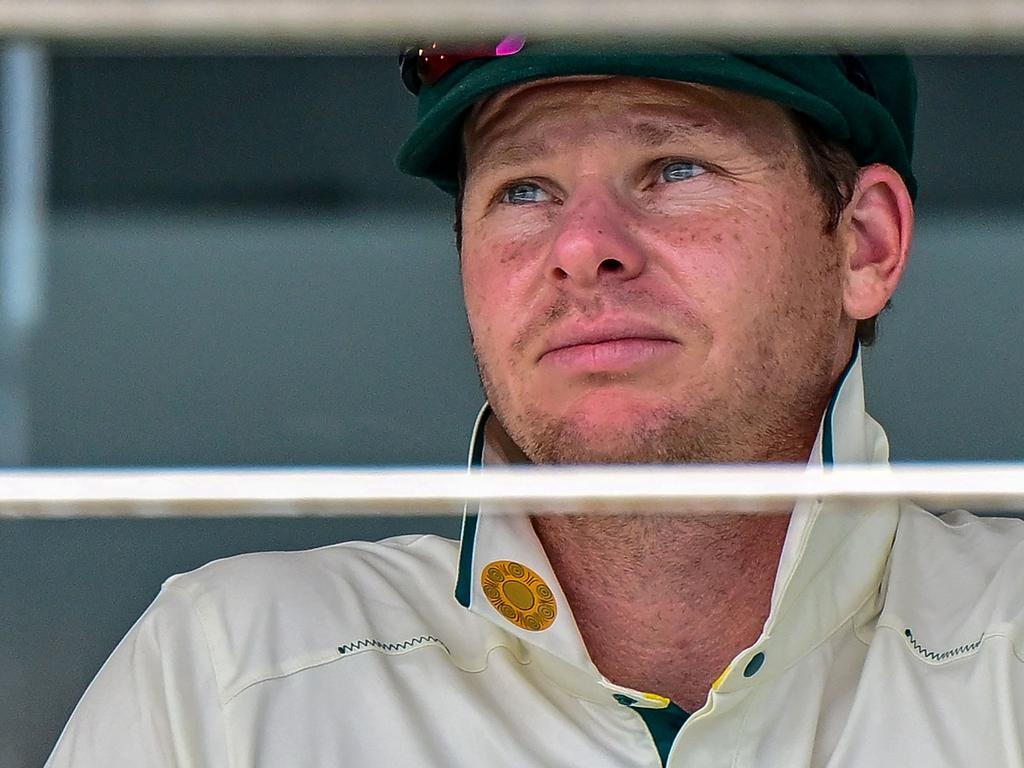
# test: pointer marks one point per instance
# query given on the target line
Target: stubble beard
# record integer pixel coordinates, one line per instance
(769, 409)
(757, 422)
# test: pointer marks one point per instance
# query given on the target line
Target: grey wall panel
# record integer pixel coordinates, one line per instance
(264, 339)
(947, 376)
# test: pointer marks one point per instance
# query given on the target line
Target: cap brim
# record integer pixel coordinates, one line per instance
(431, 149)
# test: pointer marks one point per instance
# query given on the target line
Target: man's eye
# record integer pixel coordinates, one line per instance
(524, 193)
(680, 170)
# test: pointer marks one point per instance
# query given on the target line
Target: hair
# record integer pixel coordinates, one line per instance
(833, 172)
(831, 168)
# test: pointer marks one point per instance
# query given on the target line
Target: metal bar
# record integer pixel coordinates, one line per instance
(940, 22)
(345, 493)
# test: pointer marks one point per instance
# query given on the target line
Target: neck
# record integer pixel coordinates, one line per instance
(664, 603)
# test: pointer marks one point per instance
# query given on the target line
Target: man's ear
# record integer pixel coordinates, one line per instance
(879, 225)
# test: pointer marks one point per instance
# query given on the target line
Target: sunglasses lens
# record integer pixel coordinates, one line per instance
(425, 66)
(407, 66)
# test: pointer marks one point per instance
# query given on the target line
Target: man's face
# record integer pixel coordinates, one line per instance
(646, 274)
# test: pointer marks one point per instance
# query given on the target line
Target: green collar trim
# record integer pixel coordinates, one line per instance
(663, 725)
(471, 514)
(828, 457)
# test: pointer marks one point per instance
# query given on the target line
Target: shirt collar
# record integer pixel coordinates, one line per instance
(831, 566)
(491, 540)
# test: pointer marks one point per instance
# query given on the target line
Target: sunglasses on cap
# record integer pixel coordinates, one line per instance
(421, 66)
(426, 65)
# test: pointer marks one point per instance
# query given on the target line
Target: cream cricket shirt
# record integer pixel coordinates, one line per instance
(894, 639)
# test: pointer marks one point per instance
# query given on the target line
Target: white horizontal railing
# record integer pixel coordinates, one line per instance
(261, 492)
(946, 23)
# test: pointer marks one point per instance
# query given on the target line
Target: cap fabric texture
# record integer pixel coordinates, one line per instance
(876, 122)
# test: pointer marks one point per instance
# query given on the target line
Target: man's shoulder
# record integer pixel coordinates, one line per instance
(959, 539)
(956, 581)
(328, 572)
(270, 614)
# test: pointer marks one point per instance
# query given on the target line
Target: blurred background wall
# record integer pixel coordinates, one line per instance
(235, 274)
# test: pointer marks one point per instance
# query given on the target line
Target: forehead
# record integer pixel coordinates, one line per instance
(647, 110)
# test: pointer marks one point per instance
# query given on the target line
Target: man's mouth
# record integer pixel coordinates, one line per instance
(606, 346)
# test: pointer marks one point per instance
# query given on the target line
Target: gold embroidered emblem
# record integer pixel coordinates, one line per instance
(519, 594)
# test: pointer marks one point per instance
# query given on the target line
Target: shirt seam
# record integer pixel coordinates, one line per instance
(286, 672)
(985, 636)
(848, 619)
(572, 693)
(523, 662)
(866, 642)
(221, 702)
(336, 656)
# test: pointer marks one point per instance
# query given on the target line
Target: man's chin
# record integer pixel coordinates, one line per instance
(611, 439)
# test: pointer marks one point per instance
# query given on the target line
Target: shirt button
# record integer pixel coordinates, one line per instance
(754, 665)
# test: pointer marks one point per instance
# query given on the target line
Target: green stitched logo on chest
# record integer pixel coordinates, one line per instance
(390, 649)
(940, 656)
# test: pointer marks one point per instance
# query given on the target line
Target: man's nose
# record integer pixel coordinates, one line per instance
(593, 242)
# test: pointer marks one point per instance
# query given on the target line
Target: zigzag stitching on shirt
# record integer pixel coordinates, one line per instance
(952, 653)
(391, 648)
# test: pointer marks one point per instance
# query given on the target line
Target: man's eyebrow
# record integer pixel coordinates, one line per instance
(652, 134)
(512, 154)
(657, 134)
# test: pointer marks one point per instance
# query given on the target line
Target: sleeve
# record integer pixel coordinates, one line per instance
(155, 702)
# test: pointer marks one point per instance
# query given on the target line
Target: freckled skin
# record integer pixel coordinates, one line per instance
(733, 264)
(733, 267)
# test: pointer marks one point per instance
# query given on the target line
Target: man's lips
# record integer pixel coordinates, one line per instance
(609, 346)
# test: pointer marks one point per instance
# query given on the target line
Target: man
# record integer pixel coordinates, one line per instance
(665, 258)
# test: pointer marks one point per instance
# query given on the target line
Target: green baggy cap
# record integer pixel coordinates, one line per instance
(867, 103)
